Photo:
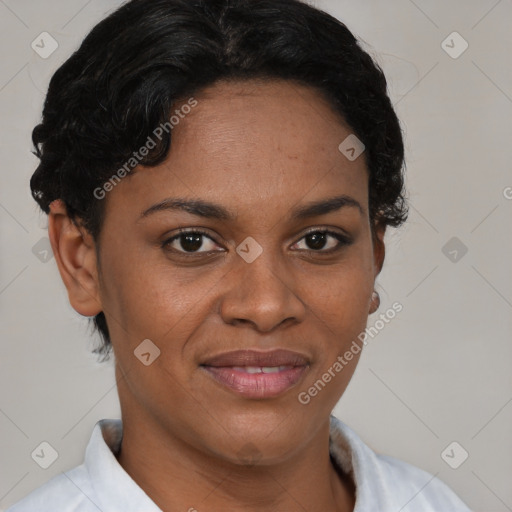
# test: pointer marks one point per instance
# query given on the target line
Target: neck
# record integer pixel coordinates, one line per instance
(177, 476)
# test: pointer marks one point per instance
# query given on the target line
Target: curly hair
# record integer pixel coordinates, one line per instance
(122, 82)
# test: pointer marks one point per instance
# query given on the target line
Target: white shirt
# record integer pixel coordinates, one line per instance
(100, 484)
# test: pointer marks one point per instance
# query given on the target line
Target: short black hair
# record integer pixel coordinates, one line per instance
(122, 83)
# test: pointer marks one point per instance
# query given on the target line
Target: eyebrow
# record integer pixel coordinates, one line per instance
(324, 206)
(210, 210)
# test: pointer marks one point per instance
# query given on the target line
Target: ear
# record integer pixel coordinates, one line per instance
(379, 248)
(379, 252)
(74, 251)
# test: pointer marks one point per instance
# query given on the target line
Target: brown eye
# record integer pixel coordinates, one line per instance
(316, 241)
(191, 242)
(324, 241)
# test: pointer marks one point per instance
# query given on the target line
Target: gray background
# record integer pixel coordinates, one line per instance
(439, 372)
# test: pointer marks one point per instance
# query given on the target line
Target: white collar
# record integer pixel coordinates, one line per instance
(347, 450)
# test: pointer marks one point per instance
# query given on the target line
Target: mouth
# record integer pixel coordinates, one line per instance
(257, 375)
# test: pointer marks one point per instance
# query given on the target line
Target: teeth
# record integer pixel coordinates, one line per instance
(260, 369)
(253, 369)
(271, 369)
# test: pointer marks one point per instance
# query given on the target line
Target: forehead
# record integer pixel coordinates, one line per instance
(272, 118)
(251, 143)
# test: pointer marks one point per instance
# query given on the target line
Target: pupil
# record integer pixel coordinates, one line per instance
(316, 240)
(191, 242)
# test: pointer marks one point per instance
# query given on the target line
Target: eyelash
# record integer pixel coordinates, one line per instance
(343, 241)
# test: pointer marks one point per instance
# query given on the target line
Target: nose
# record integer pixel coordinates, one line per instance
(261, 294)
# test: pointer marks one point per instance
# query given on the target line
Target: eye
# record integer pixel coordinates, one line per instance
(193, 241)
(324, 241)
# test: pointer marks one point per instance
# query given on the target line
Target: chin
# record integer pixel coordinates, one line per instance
(267, 435)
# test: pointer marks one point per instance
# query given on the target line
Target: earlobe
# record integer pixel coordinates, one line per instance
(75, 254)
(375, 302)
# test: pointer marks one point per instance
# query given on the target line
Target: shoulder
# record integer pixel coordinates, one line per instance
(385, 483)
(65, 492)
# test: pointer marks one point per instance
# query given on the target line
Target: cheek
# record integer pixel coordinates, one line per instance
(341, 317)
(340, 295)
(340, 312)
(149, 299)
(339, 304)
(128, 295)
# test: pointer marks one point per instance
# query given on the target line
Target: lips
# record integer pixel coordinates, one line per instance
(255, 374)
(255, 358)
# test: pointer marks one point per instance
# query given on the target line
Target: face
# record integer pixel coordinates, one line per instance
(252, 297)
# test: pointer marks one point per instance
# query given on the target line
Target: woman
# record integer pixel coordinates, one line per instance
(219, 176)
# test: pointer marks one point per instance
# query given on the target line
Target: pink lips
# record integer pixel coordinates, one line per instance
(255, 374)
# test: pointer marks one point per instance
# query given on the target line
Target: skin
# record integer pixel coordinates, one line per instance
(259, 149)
